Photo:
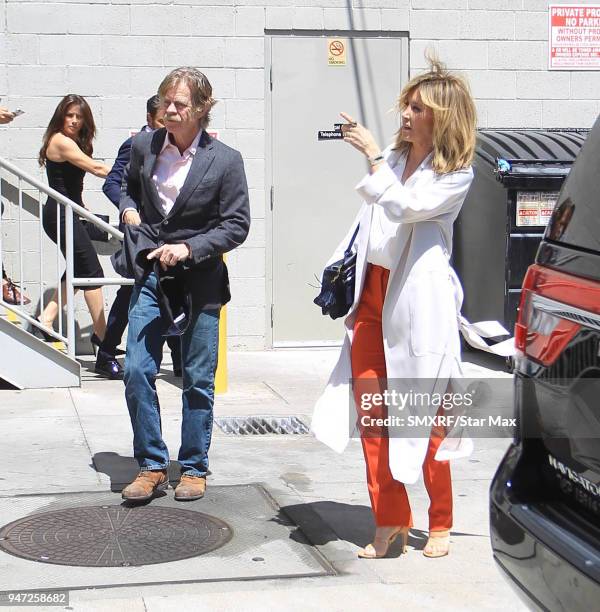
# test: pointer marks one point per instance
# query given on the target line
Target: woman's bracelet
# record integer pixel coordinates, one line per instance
(376, 159)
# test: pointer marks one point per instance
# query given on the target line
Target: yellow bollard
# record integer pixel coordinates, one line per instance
(221, 374)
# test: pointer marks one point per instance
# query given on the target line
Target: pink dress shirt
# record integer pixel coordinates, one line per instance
(170, 171)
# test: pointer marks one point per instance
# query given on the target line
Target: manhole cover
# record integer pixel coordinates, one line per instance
(114, 536)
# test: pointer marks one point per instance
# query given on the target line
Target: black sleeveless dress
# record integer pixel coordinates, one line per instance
(67, 179)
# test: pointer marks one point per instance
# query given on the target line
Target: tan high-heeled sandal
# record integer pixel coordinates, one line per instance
(438, 544)
(370, 550)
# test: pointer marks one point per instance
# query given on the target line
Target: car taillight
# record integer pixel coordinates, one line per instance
(523, 314)
(540, 334)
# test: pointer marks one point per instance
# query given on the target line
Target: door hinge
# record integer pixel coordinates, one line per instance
(272, 308)
(272, 196)
(271, 78)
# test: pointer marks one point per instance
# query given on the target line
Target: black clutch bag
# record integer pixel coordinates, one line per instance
(94, 232)
(337, 285)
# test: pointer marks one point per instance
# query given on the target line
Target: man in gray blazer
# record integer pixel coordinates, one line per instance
(192, 197)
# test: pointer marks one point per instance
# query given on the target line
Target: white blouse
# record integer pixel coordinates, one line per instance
(383, 246)
(384, 249)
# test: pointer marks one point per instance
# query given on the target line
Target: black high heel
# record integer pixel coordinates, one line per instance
(40, 333)
(96, 342)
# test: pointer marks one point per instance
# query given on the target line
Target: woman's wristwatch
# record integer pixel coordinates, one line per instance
(376, 159)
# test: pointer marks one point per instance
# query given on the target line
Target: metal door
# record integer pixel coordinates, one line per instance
(312, 195)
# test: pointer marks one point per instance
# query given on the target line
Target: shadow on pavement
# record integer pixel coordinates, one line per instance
(123, 470)
(485, 360)
(6, 386)
(326, 521)
(166, 374)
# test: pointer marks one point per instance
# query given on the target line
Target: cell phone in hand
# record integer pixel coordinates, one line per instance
(17, 112)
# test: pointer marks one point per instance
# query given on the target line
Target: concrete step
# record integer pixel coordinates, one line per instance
(27, 362)
(12, 317)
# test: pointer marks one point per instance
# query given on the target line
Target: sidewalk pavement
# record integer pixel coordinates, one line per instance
(51, 438)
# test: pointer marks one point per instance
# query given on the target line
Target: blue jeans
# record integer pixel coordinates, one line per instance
(199, 348)
(117, 320)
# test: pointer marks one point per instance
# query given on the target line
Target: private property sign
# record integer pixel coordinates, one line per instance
(574, 37)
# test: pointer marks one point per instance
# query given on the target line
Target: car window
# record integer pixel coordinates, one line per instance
(576, 218)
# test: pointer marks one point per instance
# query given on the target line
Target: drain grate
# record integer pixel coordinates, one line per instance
(114, 536)
(262, 425)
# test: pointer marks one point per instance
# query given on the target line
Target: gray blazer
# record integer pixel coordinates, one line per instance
(211, 215)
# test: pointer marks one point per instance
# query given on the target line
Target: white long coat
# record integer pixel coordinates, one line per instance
(420, 310)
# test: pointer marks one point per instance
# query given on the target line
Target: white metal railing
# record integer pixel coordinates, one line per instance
(70, 281)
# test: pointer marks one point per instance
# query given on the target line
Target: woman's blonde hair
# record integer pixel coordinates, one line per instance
(454, 116)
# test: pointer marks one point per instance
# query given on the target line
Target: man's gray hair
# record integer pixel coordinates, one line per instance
(200, 89)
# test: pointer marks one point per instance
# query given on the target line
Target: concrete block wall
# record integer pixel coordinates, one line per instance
(115, 52)
(503, 49)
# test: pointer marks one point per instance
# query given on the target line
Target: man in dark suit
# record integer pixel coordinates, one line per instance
(106, 361)
(184, 202)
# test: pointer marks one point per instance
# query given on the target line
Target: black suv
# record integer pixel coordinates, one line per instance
(545, 496)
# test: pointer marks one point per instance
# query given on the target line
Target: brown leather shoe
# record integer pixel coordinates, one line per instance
(11, 295)
(190, 488)
(145, 485)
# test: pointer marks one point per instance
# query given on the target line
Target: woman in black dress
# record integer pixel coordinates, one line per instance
(66, 152)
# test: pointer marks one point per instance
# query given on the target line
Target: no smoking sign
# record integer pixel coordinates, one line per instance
(336, 51)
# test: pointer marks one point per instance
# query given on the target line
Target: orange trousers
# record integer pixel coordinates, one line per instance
(389, 499)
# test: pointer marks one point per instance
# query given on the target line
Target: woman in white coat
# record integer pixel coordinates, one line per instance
(403, 325)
